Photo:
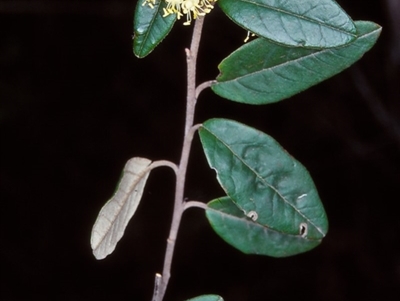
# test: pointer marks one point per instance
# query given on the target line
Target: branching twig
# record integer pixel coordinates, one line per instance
(190, 204)
(160, 163)
(191, 59)
(179, 205)
(203, 86)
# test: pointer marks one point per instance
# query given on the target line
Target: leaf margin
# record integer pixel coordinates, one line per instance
(249, 241)
(228, 89)
(234, 8)
(103, 242)
(317, 223)
(145, 14)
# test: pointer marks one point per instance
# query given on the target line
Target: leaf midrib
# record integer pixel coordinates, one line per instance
(147, 33)
(264, 182)
(297, 60)
(301, 17)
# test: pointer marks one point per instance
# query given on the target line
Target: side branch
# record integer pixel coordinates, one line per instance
(203, 86)
(191, 58)
(158, 294)
(160, 163)
(196, 204)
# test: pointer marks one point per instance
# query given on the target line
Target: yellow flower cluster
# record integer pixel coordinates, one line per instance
(185, 7)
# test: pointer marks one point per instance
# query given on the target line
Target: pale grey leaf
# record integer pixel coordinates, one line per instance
(116, 213)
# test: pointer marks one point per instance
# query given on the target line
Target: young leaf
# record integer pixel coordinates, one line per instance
(150, 27)
(265, 183)
(306, 23)
(263, 72)
(252, 237)
(116, 213)
(207, 298)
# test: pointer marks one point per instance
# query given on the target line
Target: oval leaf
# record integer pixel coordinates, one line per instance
(263, 180)
(207, 298)
(307, 23)
(263, 72)
(246, 234)
(150, 27)
(116, 213)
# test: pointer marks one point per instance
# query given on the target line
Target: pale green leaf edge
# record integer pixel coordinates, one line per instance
(206, 298)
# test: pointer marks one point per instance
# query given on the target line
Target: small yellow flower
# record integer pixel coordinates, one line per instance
(173, 7)
(185, 7)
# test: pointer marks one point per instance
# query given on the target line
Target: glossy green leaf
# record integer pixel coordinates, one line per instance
(251, 237)
(263, 72)
(268, 187)
(150, 27)
(207, 298)
(308, 23)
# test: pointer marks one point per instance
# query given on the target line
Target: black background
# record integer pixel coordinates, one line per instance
(76, 104)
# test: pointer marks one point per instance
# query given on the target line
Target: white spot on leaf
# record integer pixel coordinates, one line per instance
(252, 215)
(303, 229)
(302, 196)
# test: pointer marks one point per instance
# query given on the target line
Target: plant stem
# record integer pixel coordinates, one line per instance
(179, 205)
(191, 59)
(190, 204)
(202, 86)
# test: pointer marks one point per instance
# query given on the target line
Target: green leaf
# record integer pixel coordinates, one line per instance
(251, 237)
(273, 195)
(150, 27)
(263, 72)
(115, 215)
(307, 23)
(207, 298)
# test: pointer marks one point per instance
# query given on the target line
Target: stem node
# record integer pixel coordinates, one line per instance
(161, 282)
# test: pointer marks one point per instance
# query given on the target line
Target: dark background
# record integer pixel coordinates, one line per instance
(76, 104)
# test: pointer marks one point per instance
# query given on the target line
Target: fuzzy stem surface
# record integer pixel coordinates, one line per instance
(179, 204)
